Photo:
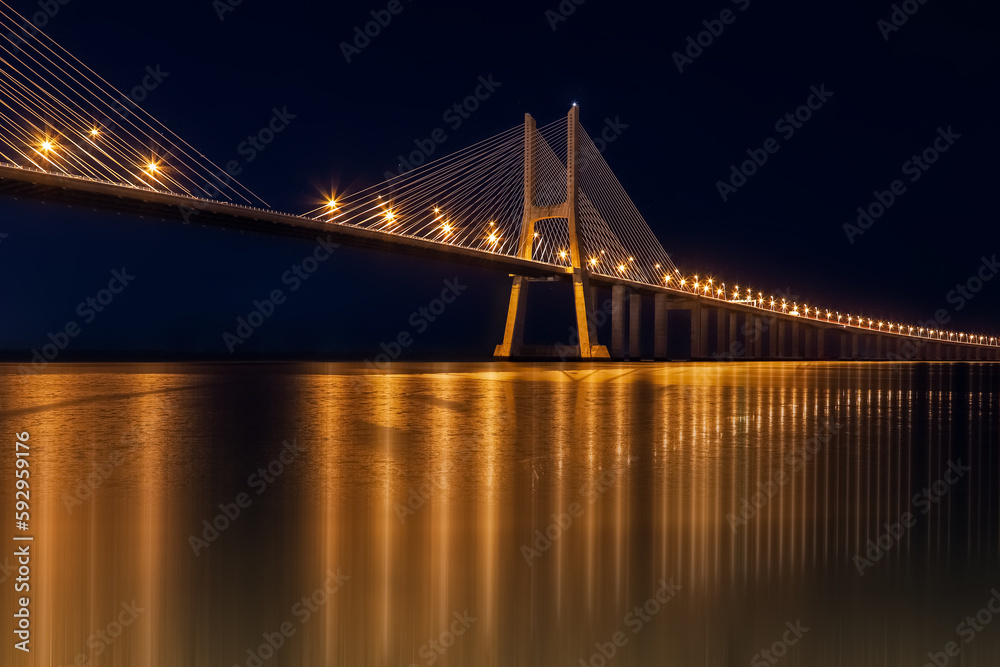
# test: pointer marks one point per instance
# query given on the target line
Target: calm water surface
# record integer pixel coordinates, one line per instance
(506, 514)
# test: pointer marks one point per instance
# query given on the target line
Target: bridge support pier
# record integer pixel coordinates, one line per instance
(635, 327)
(772, 338)
(737, 348)
(796, 336)
(855, 346)
(513, 337)
(720, 333)
(660, 327)
(782, 339)
(810, 342)
(618, 322)
(821, 352)
(699, 331)
(583, 295)
(891, 347)
(758, 336)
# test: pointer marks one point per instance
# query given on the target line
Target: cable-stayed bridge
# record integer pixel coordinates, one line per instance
(539, 203)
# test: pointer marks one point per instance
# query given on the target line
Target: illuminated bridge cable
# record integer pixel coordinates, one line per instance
(474, 198)
(58, 115)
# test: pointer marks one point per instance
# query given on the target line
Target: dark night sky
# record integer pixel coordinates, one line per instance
(783, 229)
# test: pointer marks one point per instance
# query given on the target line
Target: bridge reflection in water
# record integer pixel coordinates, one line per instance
(510, 514)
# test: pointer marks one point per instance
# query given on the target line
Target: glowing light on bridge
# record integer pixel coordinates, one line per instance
(482, 182)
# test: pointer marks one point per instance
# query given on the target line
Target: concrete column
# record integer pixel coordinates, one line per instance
(513, 336)
(810, 352)
(758, 336)
(796, 336)
(704, 331)
(879, 346)
(660, 327)
(782, 338)
(699, 331)
(734, 333)
(635, 327)
(617, 322)
(855, 345)
(821, 352)
(721, 340)
(772, 338)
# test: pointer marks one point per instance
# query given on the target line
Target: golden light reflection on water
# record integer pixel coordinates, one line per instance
(503, 514)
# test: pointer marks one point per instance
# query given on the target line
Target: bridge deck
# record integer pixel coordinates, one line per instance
(99, 195)
(76, 191)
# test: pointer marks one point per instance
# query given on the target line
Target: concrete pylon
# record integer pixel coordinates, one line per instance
(635, 327)
(583, 295)
(735, 349)
(772, 338)
(618, 322)
(757, 331)
(699, 331)
(660, 306)
(810, 342)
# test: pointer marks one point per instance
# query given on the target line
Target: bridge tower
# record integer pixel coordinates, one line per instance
(583, 295)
